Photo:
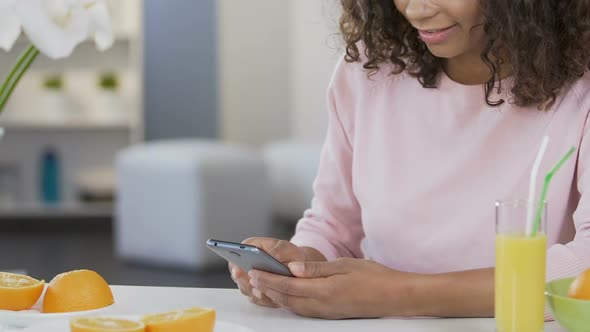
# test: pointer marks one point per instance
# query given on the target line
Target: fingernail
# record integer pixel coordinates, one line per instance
(254, 282)
(233, 272)
(297, 268)
(256, 293)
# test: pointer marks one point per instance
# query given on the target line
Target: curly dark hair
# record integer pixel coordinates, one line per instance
(546, 43)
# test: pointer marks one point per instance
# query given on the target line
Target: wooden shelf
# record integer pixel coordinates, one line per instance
(64, 211)
(13, 125)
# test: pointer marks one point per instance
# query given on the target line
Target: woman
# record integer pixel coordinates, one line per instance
(437, 110)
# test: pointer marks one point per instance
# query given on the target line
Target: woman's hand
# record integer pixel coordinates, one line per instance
(283, 251)
(345, 288)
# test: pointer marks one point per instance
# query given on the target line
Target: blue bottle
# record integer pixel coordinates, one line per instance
(50, 177)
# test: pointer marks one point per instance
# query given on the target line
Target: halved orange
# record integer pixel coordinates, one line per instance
(19, 292)
(580, 288)
(105, 324)
(188, 320)
(78, 290)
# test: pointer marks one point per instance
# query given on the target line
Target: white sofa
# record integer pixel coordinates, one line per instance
(292, 167)
(173, 196)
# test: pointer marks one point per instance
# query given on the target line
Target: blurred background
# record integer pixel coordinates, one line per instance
(204, 120)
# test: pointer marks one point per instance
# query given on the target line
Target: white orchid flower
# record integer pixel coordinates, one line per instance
(56, 27)
(9, 24)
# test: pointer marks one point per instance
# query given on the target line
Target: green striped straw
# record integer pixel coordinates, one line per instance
(548, 178)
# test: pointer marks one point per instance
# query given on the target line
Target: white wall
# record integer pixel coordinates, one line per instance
(254, 57)
(315, 47)
(274, 69)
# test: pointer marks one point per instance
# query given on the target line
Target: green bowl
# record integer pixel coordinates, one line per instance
(573, 314)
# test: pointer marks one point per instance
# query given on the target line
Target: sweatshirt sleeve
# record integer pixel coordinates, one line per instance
(333, 224)
(573, 258)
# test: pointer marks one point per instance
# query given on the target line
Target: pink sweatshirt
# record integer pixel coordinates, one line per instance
(409, 176)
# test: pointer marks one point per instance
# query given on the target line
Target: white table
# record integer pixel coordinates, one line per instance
(231, 306)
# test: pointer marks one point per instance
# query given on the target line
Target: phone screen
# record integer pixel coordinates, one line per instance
(248, 257)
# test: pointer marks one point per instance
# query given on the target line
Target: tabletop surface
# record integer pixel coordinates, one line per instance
(232, 307)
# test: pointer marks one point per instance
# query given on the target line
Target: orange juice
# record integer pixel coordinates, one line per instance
(520, 283)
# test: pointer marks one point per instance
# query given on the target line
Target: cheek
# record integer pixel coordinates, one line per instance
(471, 19)
(400, 4)
(467, 12)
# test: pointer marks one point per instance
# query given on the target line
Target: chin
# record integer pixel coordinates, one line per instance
(445, 51)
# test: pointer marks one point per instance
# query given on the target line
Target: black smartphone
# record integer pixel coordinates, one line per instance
(248, 257)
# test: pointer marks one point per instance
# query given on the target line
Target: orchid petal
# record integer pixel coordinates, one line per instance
(9, 24)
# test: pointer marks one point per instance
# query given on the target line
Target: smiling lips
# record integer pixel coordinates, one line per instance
(436, 36)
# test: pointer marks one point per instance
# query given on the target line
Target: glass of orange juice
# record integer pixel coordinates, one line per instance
(520, 268)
